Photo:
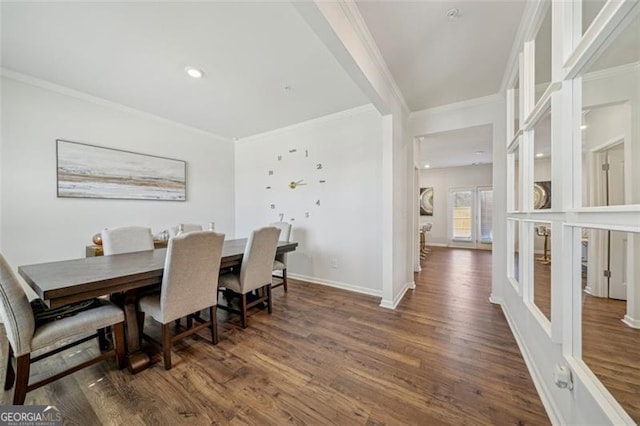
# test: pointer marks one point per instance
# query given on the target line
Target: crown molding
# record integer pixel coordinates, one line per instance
(352, 13)
(612, 72)
(469, 103)
(525, 28)
(63, 90)
(310, 123)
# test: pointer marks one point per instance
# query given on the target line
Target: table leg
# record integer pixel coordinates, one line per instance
(136, 359)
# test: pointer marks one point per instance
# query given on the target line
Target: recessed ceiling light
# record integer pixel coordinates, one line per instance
(479, 152)
(194, 72)
(539, 154)
(584, 126)
(426, 166)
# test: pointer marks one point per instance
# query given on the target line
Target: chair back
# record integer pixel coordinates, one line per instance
(127, 239)
(285, 230)
(190, 280)
(15, 311)
(187, 227)
(285, 235)
(257, 263)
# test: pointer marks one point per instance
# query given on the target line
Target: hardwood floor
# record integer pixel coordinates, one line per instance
(609, 347)
(327, 356)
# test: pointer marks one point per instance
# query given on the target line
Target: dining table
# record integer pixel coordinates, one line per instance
(122, 277)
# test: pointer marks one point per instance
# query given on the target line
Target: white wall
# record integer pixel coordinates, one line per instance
(346, 227)
(37, 226)
(442, 180)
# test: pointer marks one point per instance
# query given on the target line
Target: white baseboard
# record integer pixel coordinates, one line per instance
(336, 284)
(496, 300)
(392, 304)
(631, 322)
(552, 410)
(437, 245)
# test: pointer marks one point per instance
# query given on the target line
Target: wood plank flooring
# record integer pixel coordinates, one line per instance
(327, 356)
(609, 346)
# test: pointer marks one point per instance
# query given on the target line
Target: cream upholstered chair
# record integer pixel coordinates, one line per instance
(25, 336)
(126, 239)
(255, 271)
(280, 263)
(189, 284)
(186, 227)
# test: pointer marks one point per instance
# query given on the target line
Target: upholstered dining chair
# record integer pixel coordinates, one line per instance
(255, 271)
(280, 262)
(189, 285)
(126, 239)
(186, 227)
(26, 337)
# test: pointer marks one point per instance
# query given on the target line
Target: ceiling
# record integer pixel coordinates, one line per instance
(437, 61)
(454, 148)
(135, 54)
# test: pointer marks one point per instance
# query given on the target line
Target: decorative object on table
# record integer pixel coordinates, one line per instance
(544, 231)
(97, 239)
(295, 181)
(162, 236)
(426, 201)
(182, 228)
(87, 171)
(212, 226)
(542, 195)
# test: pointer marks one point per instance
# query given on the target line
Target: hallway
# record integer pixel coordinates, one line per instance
(469, 338)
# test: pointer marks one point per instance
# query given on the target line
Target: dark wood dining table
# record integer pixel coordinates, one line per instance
(121, 276)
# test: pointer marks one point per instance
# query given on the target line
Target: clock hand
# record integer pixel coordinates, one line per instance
(293, 184)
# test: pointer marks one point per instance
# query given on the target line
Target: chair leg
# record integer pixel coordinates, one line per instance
(243, 310)
(10, 377)
(213, 313)
(189, 321)
(118, 343)
(103, 342)
(284, 279)
(269, 304)
(23, 366)
(166, 346)
(177, 323)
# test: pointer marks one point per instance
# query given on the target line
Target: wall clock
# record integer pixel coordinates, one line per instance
(294, 184)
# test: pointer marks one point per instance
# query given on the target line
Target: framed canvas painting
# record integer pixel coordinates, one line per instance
(88, 171)
(426, 201)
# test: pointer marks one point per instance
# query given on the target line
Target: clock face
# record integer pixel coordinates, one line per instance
(294, 184)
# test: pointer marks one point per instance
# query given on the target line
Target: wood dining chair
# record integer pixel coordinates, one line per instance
(255, 272)
(189, 285)
(26, 336)
(280, 262)
(127, 239)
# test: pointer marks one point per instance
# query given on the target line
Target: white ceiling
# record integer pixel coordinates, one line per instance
(135, 54)
(457, 147)
(436, 61)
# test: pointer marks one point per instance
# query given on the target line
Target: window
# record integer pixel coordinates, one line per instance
(462, 215)
(471, 216)
(485, 218)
